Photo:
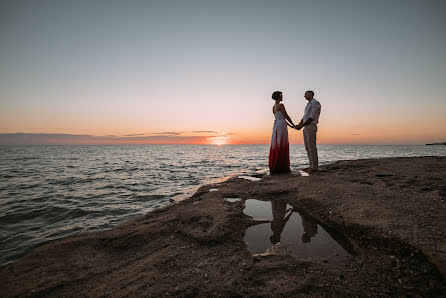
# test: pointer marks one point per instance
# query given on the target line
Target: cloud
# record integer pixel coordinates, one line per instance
(167, 133)
(135, 135)
(204, 131)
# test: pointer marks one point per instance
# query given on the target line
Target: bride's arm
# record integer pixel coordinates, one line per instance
(285, 114)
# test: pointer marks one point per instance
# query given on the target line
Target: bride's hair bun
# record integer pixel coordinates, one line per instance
(276, 95)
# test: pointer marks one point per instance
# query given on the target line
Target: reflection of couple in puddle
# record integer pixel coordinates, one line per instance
(280, 218)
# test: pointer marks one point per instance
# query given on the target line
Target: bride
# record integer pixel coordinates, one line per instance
(279, 152)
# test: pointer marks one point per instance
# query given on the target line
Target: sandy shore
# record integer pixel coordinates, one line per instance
(390, 213)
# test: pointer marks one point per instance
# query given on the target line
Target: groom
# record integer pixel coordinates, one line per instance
(309, 123)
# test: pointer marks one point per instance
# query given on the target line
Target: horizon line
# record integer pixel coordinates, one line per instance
(207, 137)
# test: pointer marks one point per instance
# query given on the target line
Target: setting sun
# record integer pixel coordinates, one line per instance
(220, 140)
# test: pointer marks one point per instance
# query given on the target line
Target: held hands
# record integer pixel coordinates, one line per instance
(298, 127)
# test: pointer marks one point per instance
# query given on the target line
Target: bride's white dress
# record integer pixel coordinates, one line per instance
(279, 153)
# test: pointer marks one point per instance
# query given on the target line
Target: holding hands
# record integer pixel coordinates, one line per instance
(298, 127)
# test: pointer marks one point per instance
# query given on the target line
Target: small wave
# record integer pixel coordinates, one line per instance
(28, 186)
(19, 213)
(25, 158)
(116, 187)
(72, 181)
(148, 197)
(6, 176)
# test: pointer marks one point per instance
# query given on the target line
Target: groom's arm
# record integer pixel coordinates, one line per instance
(314, 113)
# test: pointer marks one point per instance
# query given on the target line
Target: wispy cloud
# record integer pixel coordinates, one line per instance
(167, 133)
(135, 135)
(180, 133)
(204, 131)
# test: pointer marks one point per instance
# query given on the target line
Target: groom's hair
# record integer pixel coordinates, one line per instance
(276, 95)
(309, 91)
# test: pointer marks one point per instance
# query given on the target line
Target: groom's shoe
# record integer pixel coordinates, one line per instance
(310, 170)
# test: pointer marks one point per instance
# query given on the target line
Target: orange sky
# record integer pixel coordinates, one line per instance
(342, 121)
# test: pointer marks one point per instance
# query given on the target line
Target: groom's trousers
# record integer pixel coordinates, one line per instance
(310, 144)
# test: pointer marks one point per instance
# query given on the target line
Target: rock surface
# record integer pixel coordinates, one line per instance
(392, 213)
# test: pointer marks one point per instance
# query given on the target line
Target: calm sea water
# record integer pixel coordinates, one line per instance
(49, 192)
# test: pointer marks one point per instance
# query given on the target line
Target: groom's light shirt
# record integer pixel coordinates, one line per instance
(312, 110)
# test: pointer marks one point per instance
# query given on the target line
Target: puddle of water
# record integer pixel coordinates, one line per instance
(288, 232)
(305, 174)
(260, 210)
(213, 189)
(232, 200)
(250, 178)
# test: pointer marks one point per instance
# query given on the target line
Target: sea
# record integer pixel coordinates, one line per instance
(52, 191)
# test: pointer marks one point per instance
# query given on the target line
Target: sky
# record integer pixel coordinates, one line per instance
(202, 72)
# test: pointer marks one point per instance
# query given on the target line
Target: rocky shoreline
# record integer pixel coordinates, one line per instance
(389, 214)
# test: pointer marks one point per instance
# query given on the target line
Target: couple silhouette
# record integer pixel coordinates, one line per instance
(279, 153)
